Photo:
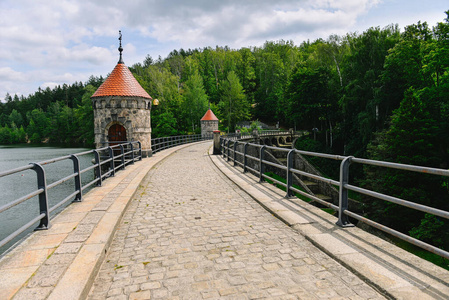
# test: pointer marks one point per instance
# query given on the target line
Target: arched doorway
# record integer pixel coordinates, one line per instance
(116, 134)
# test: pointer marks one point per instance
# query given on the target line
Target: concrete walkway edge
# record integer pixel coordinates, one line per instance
(394, 272)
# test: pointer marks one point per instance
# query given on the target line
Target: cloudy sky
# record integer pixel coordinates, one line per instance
(44, 43)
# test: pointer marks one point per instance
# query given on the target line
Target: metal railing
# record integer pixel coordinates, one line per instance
(260, 133)
(162, 143)
(113, 158)
(237, 152)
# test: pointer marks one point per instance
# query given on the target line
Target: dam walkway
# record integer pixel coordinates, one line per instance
(183, 224)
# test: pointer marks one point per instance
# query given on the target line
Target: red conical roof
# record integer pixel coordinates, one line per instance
(209, 116)
(121, 82)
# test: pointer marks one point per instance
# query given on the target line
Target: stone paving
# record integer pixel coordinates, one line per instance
(189, 233)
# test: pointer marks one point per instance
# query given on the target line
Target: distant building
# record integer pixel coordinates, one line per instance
(122, 109)
(209, 123)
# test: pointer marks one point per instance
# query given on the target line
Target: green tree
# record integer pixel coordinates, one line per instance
(209, 68)
(246, 73)
(233, 107)
(432, 230)
(17, 135)
(163, 124)
(412, 138)
(195, 101)
(16, 118)
(270, 92)
(39, 126)
(84, 131)
(360, 102)
(33, 133)
(5, 135)
(312, 99)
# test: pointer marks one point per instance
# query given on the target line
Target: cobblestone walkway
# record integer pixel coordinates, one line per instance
(192, 234)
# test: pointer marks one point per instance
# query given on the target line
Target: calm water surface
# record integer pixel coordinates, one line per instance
(15, 186)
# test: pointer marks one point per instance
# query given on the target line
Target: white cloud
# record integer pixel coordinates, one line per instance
(8, 74)
(43, 41)
(234, 22)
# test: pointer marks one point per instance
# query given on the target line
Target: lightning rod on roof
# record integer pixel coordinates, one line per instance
(120, 49)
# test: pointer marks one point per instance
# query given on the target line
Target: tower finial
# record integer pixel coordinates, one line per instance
(120, 49)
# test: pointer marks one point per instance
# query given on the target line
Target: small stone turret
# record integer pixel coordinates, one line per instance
(209, 123)
(122, 109)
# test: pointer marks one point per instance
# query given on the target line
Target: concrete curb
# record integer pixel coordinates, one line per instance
(394, 272)
(62, 262)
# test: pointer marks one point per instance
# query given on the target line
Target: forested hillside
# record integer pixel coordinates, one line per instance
(62, 115)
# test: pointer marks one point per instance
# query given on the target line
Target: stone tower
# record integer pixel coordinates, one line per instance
(209, 123)
(122, 109)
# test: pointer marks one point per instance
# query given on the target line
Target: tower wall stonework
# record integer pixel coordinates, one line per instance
(208, 127)
(133, 113)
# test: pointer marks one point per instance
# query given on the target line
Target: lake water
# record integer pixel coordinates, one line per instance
(20, 184)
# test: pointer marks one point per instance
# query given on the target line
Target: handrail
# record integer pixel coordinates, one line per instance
(162, 143)
(126, 153)
(229, 147)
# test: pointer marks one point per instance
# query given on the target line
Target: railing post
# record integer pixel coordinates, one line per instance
(343, 220)
(223, 147)
(234, 155)
(132, 153)
(122, 151)
(140, 150)
(98, 168)
(229, 149)
(261, 165)
(289, 172)
(245, 159)
(77, 170)
(43, 199)
(216, 142)
(112, 163)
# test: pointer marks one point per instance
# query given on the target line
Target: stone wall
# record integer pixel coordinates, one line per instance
(133, 113)
(208, 128)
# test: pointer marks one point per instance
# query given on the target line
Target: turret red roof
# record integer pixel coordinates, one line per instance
(209, 116)
(121, 82)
